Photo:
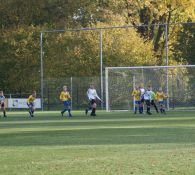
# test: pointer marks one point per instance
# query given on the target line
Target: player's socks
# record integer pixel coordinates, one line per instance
(135, 110)
(93, 112)
(4, 113)
(62, 112)
(142, 109)
(86, 111)
(156, 108)
(30, 112)
(70, 115)
(148, 110)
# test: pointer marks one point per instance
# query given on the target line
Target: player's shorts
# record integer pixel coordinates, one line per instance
(152, 102)
(148, 102)
(31, 105)
(142, 100)
(137, 102)
(2, 105)
(67, 103)
(161, 102)
(92, 101)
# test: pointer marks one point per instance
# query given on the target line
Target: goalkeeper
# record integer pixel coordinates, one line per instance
(147, 99)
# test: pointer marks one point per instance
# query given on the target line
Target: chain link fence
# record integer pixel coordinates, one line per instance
(77, 86)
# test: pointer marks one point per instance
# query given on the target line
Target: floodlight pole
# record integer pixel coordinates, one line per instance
(167, 63)
(101, 68)
(41, 45)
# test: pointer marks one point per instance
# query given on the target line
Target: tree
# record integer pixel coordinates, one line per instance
(74, 54)
(20, 59)
(184, 47)
(150, 12)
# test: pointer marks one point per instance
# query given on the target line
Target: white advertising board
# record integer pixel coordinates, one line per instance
(22, 103)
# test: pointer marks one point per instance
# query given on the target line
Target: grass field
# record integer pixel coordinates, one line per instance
(109, 144)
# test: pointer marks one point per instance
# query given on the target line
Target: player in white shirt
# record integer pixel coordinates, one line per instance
(142, 90)
(2, 103)
(92, 96)
(148, 98)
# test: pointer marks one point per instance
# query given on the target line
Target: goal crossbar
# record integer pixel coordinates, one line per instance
(149, 67)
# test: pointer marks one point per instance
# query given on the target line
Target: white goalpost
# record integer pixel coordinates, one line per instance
(177, 81)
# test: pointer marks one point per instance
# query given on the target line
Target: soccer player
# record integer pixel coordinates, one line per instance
(147, 99)
(160, 96)
(2, 103)
(92, 96)
(65, 98)
(153, 98)
(142, 90)
(136, 94)
(30, 102)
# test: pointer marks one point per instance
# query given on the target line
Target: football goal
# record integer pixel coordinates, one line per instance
(177, 82)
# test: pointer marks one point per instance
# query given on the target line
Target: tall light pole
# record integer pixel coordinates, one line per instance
(101, 68)
(167, 63)
(41, 46)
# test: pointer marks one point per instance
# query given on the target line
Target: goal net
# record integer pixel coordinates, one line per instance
(177, 82)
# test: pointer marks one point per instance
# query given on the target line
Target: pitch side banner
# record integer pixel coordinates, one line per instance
(22, 103)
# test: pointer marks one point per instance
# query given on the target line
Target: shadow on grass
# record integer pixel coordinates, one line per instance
(99, 136)
(64, 122)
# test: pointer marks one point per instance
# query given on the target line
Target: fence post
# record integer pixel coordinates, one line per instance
(10, 96)
(48, 99)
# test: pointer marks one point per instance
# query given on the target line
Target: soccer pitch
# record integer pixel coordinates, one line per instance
(119, 143)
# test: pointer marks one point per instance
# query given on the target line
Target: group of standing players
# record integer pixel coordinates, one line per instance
(141, 97)
(92, 97)
(148, 98)
(30, 103)
(64, 97)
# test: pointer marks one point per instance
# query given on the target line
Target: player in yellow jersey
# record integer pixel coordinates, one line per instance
(30, 102)
(136, 94)
(65, 98)
(160, 96)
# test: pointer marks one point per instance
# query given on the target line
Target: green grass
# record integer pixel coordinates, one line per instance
(111, 143)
